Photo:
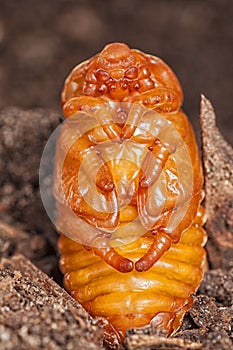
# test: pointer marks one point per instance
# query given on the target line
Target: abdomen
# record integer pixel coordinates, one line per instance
(161, 294)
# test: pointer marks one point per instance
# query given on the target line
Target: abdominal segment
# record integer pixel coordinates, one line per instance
(160, 295)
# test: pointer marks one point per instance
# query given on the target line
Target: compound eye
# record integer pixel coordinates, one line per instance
(131, 73)
(102, 75)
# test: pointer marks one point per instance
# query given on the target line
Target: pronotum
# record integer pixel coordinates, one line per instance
(128, 188)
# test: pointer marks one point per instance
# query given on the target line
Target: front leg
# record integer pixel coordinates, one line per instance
(161, 99)
(97, 109)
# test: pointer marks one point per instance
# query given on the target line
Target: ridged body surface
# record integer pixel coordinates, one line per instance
(128, 185)
(134, 299)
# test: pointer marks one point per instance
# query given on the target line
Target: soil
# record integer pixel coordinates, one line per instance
(39, 44)
(38, 314)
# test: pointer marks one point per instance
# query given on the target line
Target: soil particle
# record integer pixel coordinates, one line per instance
(218, 167)
(23, 135)
(35, 313)
(218, 284)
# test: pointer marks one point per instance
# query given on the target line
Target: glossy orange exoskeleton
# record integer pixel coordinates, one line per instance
(128, 185)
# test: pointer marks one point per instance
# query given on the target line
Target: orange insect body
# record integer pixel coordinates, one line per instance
(128, 185)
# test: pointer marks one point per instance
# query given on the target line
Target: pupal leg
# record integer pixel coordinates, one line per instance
(104, 115)
(171, 321)
(160, 245)
(97, 109)
(135, 114)
(101, 219)
(160, 99)
(153, 164)
(165, 236)
(82, 103)
(97, 170)
(91, 238)
(152, 167)
(82, 152)
(103, 249)
(164, 75)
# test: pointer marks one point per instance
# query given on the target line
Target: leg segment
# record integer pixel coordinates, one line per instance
(82, 152)
(98, 110)
(164, 75)
(153, 164)
(97, 170)
(104, 220)
(103, 115)
(171, 233)
(160, 99)
(103, 249)
(170, 224)
(171, 321)
(132, 122)
(83, 103)
(161, 244)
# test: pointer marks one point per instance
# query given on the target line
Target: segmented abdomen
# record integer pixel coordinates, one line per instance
(134, 299)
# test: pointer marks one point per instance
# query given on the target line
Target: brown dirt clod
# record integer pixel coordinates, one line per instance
(35, 313)
(218, 167)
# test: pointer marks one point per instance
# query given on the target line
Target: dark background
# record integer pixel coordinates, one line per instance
(41, 41)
